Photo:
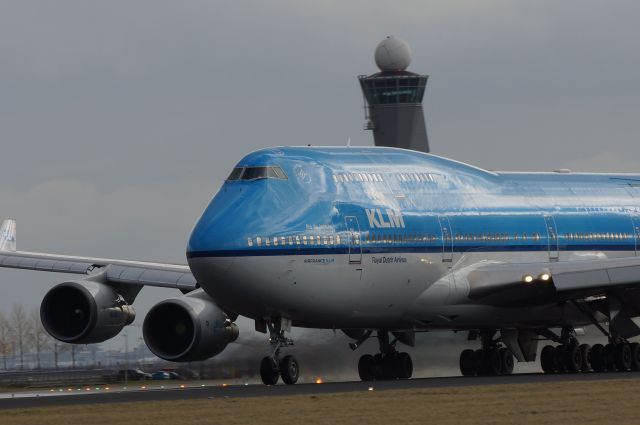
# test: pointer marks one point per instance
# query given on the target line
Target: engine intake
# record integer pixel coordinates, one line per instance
(84, 312)
(188, 328)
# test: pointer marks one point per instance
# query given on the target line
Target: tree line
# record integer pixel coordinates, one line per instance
(22, 335)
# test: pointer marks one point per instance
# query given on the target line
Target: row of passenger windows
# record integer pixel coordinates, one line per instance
(377, 177)
(357, 177)
(370, 238)
(295, 240)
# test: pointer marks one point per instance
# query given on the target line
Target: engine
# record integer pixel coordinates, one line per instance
(188, 328)
(84, 312)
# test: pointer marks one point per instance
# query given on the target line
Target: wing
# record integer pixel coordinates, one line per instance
(125, 272)
(508, 283)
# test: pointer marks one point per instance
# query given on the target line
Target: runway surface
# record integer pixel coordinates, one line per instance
(194, 391)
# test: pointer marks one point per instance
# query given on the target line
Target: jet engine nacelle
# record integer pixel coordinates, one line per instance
(84, 312)
(188, 328)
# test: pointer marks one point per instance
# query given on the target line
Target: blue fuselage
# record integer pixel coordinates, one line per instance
(369, 206)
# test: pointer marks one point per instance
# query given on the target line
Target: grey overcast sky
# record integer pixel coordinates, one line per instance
(120, 119)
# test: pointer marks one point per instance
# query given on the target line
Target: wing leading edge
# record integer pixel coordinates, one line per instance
(138, 273)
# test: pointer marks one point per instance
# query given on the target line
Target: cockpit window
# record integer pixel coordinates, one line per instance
(254, 173)
(235, 174)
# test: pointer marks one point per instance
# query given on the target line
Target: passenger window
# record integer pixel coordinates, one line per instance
(337, 239)
(297, 240)
(259, 241)
(290, 240)
(267, 242)
(250, 242)
(311, 240)
(304, 240)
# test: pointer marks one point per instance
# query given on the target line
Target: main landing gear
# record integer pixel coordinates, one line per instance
(386, 365)
(273, 367)
(572, 357)
(491, 359)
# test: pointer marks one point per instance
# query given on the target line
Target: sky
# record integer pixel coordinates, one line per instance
(119, 120)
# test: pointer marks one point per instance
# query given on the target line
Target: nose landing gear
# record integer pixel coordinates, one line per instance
(273, 367)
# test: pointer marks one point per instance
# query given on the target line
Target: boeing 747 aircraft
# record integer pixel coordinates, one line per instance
(381, 243)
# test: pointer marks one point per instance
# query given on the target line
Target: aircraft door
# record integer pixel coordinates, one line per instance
(355, 247)
(447, 239)
(552, 237)
(635, 219)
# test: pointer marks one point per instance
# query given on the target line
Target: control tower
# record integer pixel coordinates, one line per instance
(393, 99)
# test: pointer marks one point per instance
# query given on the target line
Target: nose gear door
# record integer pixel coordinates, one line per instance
(355, 246)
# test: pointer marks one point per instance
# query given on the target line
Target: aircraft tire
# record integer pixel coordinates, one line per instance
(494, 362)
(598, 358)
(547, 359)
(635, 356)
(572, 358)
(269, 371)
(506, 361)
(403, 366)
(480, 363)
(289, 370)
(560, 355)
(585, 349)
(622, 355)
(610, 356)
(367, 368)
(388, 366)
(468, 363)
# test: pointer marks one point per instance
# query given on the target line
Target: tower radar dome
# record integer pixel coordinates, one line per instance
(393, 54)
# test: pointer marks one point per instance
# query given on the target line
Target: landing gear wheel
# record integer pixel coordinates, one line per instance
(269, 371)
(585, 350)
(572, 358)
(468, 363)
(481, 363)
(547, 359)
(388, 366)
(560, 355)
(289, 370)
(635, 356)
(494, 365)
(622, 357)
(598, 358)
(367, 368)
(404, 366)
(506, 361)
(610, 355)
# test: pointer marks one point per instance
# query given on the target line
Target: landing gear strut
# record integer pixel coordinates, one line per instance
(388, 364)
(273, 367)
(491, 359)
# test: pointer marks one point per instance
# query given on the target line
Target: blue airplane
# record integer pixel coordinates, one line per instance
(381, 243)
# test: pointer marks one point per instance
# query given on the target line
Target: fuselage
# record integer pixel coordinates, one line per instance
(371, 237)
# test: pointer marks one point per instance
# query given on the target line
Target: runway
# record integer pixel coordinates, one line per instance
(195, 391)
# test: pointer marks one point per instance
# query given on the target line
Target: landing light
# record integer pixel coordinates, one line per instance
(528, 279)
(545, 276)
(319, 380)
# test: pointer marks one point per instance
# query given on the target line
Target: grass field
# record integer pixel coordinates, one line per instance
(597, 402)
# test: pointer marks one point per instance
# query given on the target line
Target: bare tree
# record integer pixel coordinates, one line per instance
(21, 330)
(5, 339)
(58, 349)
(39, 337)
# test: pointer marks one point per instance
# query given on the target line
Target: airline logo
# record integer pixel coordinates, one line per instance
(388, 219)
